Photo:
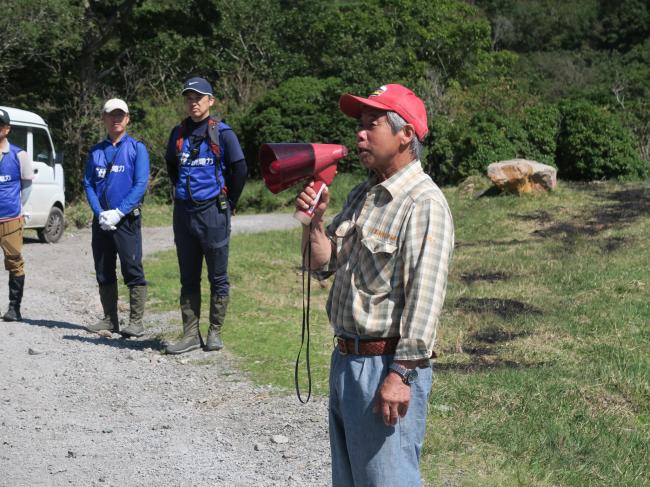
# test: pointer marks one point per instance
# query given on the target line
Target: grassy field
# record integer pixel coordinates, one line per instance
(543, 376)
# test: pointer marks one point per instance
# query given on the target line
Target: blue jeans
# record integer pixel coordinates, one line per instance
(366, 452)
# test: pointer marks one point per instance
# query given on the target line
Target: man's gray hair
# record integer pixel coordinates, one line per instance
(396, 123)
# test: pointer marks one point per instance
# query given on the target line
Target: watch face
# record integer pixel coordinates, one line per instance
(411, 376)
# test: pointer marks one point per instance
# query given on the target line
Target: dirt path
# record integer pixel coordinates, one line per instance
(82, 410)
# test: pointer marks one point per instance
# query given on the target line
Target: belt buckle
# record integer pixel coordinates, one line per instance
(342, 345)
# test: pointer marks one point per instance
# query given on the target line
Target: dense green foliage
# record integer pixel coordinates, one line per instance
(492, 74)
(592, 144)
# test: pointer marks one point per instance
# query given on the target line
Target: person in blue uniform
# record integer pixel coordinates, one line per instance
(208, 171)
(16, 175)
(116, 177)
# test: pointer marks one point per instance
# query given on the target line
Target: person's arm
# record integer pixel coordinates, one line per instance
(321, 246)
(236, 168)
(236, 180)
(89, 186)
(171, 159)
(140, 182)
(26, 176)
(428, 245)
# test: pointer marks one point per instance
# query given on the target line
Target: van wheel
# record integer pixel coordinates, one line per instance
(54, 227)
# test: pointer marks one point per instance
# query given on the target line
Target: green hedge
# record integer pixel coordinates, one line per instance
(593, 144)
(301, 109)
(458, 149)
(583, 141)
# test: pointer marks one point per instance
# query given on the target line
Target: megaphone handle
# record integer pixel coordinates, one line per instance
(305, 216)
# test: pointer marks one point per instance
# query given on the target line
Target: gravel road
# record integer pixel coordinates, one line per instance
(83, 410)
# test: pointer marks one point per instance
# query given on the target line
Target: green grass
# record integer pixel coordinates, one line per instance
(254, 199)
(265, 311)
(154, 214)
(543, 375)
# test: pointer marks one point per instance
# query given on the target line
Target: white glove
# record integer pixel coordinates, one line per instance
(110, 217)
(102, 223)
(106, 227)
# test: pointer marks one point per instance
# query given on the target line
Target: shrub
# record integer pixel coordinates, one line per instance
(299, 110)
(490, 137)
(78, 215)
(439, 159)
(593, 144)
(541, 124)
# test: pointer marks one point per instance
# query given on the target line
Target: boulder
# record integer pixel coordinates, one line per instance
(522, 176)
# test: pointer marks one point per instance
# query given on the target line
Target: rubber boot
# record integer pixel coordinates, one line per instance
(16, 286)
(110, 321)
(190, 311)
(137, 298)
(218, 306)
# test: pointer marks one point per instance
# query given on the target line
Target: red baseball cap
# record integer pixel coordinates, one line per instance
(394, 98)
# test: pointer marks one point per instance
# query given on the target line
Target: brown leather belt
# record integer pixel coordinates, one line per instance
(380, 346)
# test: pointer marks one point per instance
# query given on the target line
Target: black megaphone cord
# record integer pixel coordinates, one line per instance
(305, 320)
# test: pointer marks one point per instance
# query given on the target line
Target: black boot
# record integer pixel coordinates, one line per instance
(110, 321)
(137, 298)
(191, 340)
(218, 306)
(16, 286)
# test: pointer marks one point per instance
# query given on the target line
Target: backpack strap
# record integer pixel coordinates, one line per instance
(180, 135)
(213, 136)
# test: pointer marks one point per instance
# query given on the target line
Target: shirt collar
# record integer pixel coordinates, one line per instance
(110, 142)
(399, 181)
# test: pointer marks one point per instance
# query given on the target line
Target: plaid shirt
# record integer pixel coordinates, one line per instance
(393, 245)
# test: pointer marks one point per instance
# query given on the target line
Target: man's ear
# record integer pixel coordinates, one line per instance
(406, 134)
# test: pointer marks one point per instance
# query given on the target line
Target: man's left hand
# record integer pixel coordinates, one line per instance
(111, 217)
(392, 400)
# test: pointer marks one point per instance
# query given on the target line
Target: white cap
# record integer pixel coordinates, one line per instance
(115, 104)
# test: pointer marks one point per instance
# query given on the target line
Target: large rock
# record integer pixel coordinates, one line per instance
(522, 176)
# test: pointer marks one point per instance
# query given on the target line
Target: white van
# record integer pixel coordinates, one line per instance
(44, 210)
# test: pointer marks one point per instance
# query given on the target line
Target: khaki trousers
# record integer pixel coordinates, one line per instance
(11, 241)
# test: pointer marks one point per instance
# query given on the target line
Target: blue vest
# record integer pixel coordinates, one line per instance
(113, 187)
(201, 178)
(10, 183)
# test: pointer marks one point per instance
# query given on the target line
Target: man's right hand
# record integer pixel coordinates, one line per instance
(306, 199)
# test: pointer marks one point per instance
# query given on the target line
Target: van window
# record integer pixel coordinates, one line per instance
(18, 136)
(42, 147)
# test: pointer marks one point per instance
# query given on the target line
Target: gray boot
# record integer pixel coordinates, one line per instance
(110, 321)
(138, 298)
(190, 311)
(218, 306)
(16, 286)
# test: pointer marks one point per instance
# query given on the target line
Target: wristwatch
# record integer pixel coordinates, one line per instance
(408, 376)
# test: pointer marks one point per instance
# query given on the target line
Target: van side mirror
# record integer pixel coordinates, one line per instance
(59, 158)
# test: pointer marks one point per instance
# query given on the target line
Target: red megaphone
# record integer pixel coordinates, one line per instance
(284, 165)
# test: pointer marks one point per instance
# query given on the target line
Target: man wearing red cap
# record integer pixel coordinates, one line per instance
(389, 250)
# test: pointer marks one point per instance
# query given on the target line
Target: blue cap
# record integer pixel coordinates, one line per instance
(200, 85)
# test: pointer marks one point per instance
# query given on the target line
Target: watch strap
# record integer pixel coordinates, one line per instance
(407, 375)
